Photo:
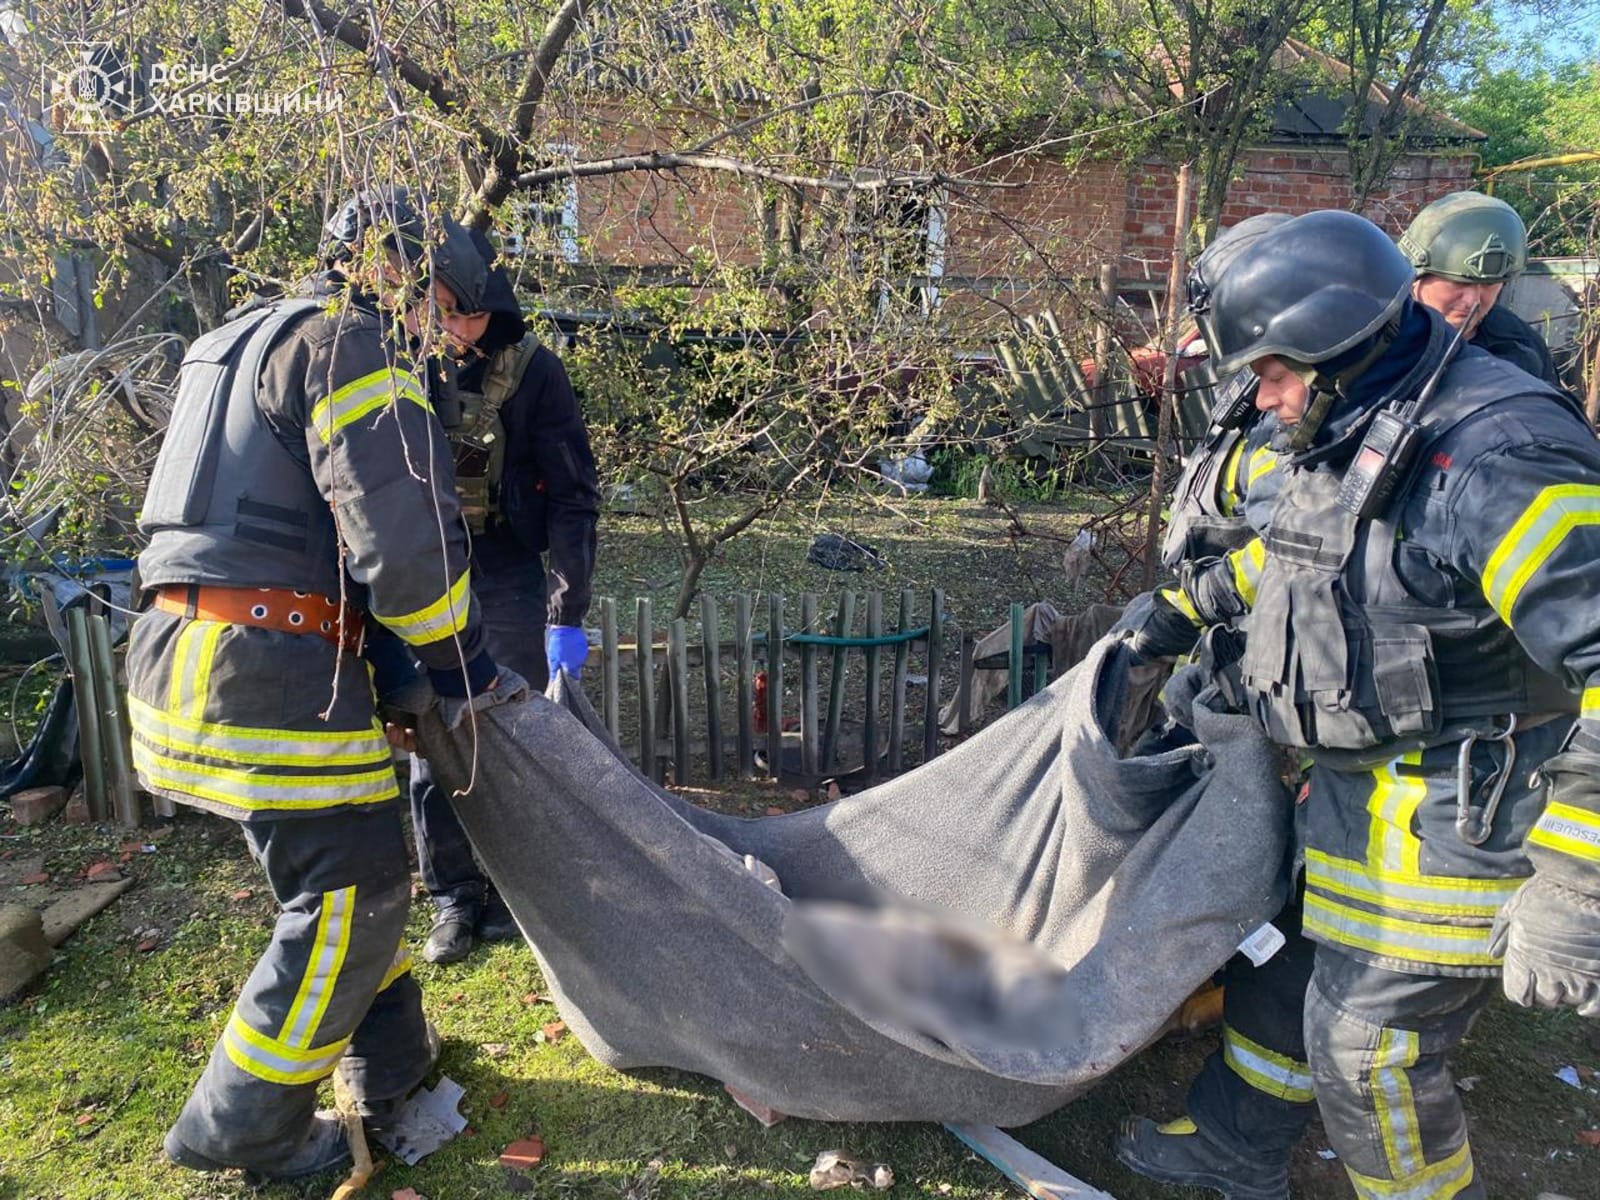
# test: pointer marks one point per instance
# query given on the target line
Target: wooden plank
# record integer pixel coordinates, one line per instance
(87, 698)
(610, 669)
(712, 660)
(644, 661)
(1014, 663)
(897, 688)
(844, 625)
(1033, 1173)
(743, 688)
(869, 727)
(964, 684)
(930, 702)
(1041, 668)
(775, 687)
(808, 686)
(114, 735)
(678, 664)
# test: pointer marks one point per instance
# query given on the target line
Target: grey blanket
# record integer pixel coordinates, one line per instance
(976, 941)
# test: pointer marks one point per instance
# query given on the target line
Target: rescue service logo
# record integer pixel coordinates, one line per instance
(100, 88)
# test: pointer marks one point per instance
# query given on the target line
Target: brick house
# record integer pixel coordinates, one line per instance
(1022, 232)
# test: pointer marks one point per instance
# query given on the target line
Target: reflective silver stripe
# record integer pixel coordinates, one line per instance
(1394, 937)
(1446, 1178)
(271, 747)
(322, 968)
(1481, 898)
(252, 790)
(267, 1058)
(1397, 1110)
(1274, 1074)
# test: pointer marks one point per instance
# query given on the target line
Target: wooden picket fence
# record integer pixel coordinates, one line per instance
(677, 711)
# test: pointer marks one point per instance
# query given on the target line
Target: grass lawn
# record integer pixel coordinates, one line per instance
(97, 1057)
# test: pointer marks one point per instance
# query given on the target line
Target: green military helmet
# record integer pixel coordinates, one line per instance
(1468, 237)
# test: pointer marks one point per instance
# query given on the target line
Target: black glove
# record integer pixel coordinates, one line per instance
(1549, 936)
(1153, 628)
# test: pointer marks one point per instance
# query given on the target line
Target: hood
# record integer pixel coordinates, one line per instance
(506, 323)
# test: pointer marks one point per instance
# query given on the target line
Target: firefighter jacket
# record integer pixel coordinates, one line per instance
(1229, 471)
(1505, 335)
(1380, 647)
(302, 454)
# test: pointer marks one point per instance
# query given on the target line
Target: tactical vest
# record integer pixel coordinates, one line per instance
(1198, 528)
(1339, 656)
(228, 503)
(479, 441)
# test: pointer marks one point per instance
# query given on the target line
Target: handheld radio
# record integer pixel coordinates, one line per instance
(1391, 443)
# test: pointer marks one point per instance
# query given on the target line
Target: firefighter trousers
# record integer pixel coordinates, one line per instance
(333, 991)
(1316, 1029)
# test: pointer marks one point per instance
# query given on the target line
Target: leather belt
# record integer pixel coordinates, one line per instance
(267, 608)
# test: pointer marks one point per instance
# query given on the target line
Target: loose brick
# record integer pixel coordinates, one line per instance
(33, 805)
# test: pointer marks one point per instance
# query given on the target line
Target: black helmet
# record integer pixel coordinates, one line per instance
(398, 214)
(1309, 290)
(1224, 248)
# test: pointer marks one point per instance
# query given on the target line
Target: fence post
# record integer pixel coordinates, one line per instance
(711, 659)
(775, 686)
(644, 660)
(808, 686)
(610, 669)
(678, 662)
(114, 738)
(930, 706)
(1015, 664)
(969, 648)
(843, 628)
(86, 695)
(897, 689)
(869, 728)
(744, 692)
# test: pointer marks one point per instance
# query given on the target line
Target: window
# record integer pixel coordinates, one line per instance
(544, 221)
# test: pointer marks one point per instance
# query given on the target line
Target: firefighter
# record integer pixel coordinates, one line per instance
(1466, 247)
(526, 477)
(304, 492)
(1420, 624)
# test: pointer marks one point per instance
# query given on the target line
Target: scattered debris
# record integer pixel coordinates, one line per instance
(429, 1120)
(555, 1031)
(1327, 1155)
(772, 810)
(834, 552)
(1588, 1137)
(523, 1153)
(498, 1100)
(495, 1049)
(532, 998)
(836, 1169)
(407, 1194)
(24, 951)
(761, 1112)
(1466, 1083)
(148, 944)
(36, 877)
(77, 906)
(33, 806)
(242, 894)
(103, 872)
(1569, 1076)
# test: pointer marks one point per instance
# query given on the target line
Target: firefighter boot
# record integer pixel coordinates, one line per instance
(1178, 1153)
(496, 923)
(323, 1148)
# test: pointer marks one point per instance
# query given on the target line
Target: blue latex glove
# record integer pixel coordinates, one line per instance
(565, 649)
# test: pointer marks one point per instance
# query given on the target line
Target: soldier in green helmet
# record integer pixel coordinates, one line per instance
(1466, 247)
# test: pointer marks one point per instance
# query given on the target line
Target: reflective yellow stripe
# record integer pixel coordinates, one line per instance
(270, 1059)
(1231, 492)
(178, 689)
(1181, 602)
(1247, 564)
(237, 744)
(1446, 1178)
(401, 964)
(1554, 513)
(1569, 829)
(445, 616)
(205, 655)
(1590, 710)
(365, 395)
(1390, 843)
(329, 946)
(1394, 937)
(1262, 463)
(1276, 1075)
(1396, 1108)
(253, 791)
(1443, 895)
